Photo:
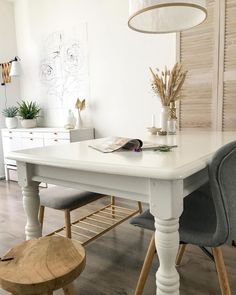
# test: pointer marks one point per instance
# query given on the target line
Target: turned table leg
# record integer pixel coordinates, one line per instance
(31, 206)
(167, 245)
(30, 192)
(166, 205)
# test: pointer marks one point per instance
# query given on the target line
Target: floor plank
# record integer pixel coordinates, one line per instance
(114, 260)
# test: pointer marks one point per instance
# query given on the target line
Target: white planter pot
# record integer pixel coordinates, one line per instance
(11, 123)
(29, 123)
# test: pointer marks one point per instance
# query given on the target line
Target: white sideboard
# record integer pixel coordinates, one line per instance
(19, 139)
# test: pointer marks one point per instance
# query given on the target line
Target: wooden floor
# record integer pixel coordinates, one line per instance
(114, 260)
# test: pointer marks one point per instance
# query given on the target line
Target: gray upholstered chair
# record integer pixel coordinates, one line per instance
(209, 217)
(65, 199)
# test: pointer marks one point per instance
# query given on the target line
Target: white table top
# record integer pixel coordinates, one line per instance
(194, 149)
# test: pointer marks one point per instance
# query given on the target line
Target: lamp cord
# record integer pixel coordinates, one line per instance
(5, 92)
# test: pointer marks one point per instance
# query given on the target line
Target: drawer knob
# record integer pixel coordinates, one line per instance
(55, 139)
(55, 133)
(31, 139)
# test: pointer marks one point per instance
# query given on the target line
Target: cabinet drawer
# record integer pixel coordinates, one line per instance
(57, 135)
(10, 144)
(51, 141)
(30, 142)
(31, 134)
(10, 133)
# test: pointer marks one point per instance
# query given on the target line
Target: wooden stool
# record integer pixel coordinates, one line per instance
(40, 266)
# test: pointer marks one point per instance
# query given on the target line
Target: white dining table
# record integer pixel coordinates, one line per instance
(161, 179)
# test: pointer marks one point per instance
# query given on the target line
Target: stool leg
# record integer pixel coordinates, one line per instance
(140, 207)
(67, 223)
(113, 203)
(41, 215)
(69, 289)
(112, 200)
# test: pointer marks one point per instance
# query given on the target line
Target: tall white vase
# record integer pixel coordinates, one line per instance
(164, 118)
(79, 121)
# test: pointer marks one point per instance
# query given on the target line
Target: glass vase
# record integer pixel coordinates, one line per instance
(172, 126)
(172, 120)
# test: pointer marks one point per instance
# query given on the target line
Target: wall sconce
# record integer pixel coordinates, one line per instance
(15, 67)
(10, 69)
(165, 16)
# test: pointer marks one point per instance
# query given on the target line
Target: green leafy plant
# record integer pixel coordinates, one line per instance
(28, 110)
(10, 112)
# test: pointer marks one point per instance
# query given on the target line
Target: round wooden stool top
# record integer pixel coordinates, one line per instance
(42, 265)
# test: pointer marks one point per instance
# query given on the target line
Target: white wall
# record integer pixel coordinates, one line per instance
(121, 101)
(7, 52)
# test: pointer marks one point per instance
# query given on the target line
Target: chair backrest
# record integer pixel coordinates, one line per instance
(222, 174)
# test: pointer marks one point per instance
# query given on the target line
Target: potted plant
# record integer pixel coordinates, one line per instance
(28, 111)
(10, 114)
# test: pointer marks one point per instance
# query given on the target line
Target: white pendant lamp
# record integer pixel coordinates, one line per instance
(166, 16)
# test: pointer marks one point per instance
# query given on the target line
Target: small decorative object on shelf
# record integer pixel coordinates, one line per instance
(153, 130)
(70, 120)
(80, 106)
(10, 114)
(167, 85)
(29, 112)
(161, 132)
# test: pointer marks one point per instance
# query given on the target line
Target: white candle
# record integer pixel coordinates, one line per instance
(153, 120)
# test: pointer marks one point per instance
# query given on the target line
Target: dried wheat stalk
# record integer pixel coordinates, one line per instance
(168, 84)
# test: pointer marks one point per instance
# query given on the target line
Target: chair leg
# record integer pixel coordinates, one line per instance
(140, 207)
(221, 270)
(146, 267)
(113, 204)
(180, 254)
(67, 223)
(69, 289)
(41, 215)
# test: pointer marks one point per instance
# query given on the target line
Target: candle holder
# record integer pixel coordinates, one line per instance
(153, 130)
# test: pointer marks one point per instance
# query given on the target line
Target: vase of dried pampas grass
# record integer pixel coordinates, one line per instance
(167, 85)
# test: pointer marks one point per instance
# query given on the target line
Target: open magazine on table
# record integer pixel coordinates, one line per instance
(111, 144)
